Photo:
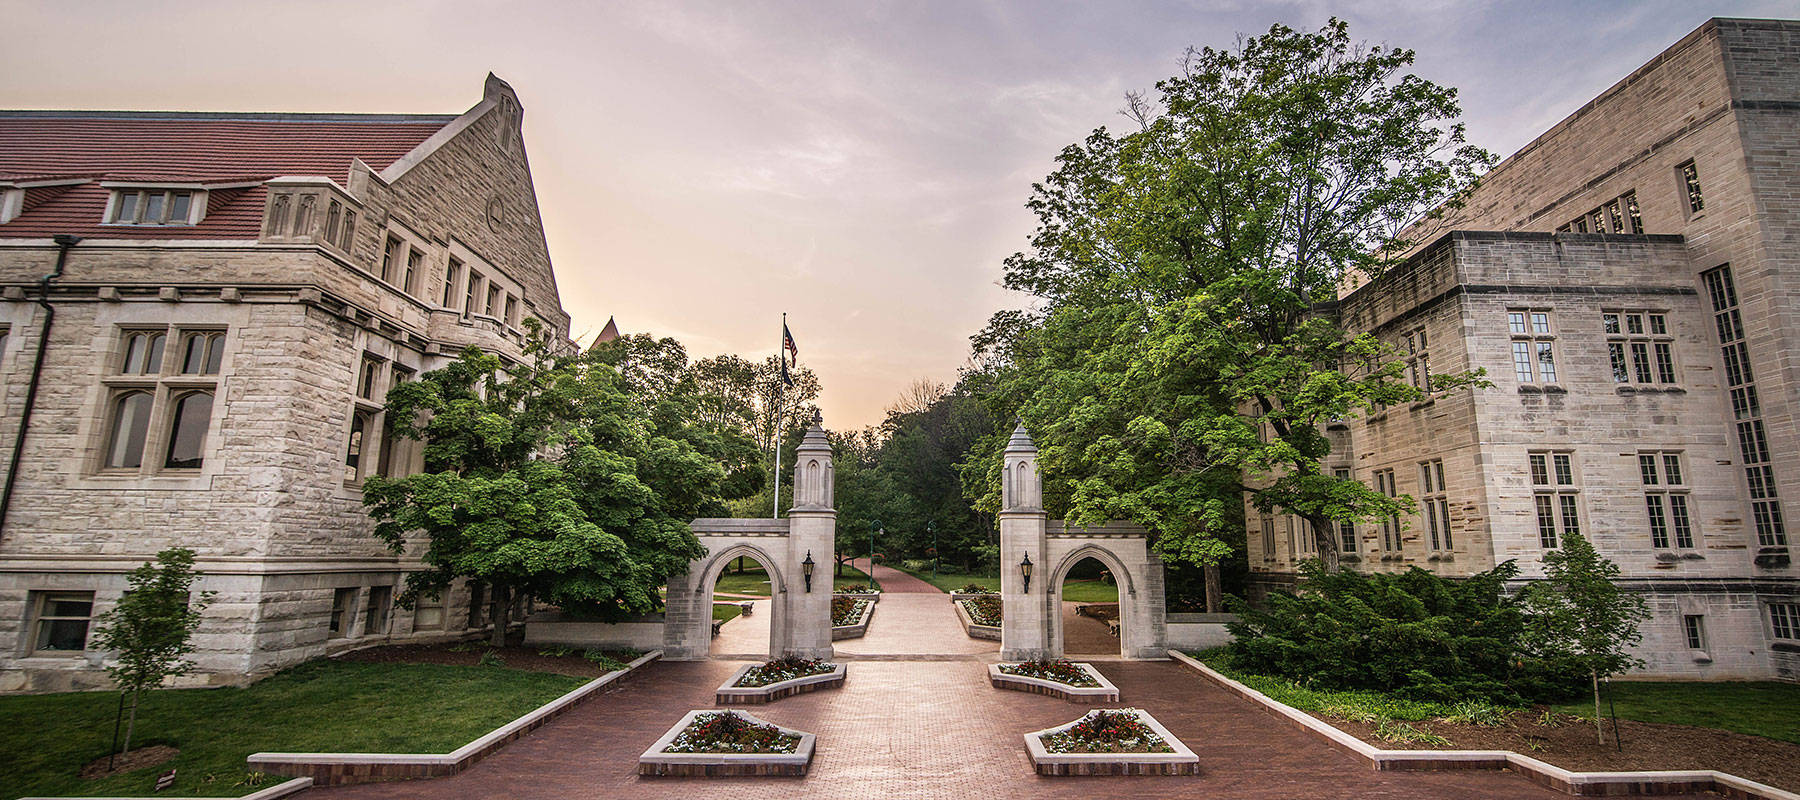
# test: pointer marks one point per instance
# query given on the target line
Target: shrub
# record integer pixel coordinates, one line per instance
(1414, 633)
(603, 660)
(916, 565)
(975, 588)
(1407, 734)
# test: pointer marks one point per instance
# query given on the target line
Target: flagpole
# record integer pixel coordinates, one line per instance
(780, 352)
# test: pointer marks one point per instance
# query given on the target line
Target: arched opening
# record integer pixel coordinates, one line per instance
(1091, 589)
(741, 588)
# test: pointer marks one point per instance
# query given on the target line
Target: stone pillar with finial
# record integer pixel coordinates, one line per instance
(812, 533)
(1025, 629)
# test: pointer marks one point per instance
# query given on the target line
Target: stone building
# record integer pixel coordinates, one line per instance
(227, 298)
(1628, 282)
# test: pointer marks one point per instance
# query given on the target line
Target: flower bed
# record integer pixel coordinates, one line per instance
(727, 743)
(858, 590)
(1125, 741)
(972, 591)
(1079, 683)
(850, 617)
(980, 616)
(773, 680)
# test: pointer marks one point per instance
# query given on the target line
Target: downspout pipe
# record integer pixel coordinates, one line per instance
(63, 244)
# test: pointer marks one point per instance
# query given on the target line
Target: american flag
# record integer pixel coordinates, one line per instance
(788, 348)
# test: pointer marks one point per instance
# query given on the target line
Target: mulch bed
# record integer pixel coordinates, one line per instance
(138, 758)
(1647, 746)
(513, 656)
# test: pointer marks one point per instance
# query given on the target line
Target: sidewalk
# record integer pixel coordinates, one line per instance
(893, 580)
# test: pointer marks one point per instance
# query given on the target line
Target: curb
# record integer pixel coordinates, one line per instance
(1581, 784)
(282, 789)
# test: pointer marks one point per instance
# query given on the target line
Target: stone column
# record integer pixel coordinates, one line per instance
(812, 531)
(1025, 624)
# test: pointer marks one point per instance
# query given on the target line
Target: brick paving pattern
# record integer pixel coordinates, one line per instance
(895, 581)
(903, 729)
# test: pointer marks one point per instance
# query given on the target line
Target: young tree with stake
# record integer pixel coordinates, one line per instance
(1579, 616)
(151, 629)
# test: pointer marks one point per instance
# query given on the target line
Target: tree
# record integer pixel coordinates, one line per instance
(556, 477)
(1183, 354)
(150, 632)
(1580, 617)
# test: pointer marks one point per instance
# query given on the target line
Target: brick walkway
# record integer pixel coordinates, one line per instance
(903, 727)
(893, 580)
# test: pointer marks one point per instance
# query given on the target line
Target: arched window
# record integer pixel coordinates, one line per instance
(202, 353)
(332, 213)
(349, 230)
(143, 353)
(187, 430)
(127, 431)
(278, 212)
(359, 423)
(303, 216)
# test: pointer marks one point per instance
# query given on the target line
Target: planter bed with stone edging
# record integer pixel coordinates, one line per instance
(1102, 690)
(872, 596)
(333, 769)
(791, 754)
(1582, 784)
(1168, 756)
(855, 628)
(970, 627)
(730, 693)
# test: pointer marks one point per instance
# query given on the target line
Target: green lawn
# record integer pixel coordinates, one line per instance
(322, 706)
(753, 580)
(951, 581)
(725, 611)
(1760, 709)
(1090, 592)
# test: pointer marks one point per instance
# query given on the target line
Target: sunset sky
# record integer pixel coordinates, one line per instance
(703, 167)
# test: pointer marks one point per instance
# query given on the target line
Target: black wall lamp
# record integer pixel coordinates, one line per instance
(1025, 571)
(806, 571)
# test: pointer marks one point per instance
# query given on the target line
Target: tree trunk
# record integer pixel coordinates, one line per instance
(131, 722)
(1599, 727)
(1215, 589)
(498, 614)
(1325, 542)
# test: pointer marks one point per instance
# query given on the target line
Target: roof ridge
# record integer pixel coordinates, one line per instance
(224, 116)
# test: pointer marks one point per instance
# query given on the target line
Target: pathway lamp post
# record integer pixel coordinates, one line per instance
(1025, 571)
(806, 571)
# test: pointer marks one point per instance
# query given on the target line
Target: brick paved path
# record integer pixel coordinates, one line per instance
(902, 730)
(917, 624)
(893, 580)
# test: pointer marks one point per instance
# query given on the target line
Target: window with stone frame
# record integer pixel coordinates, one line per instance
(1434, 506)
(60, 622)
(1300, 537)
(349, 237)
(372, 447)
(415, 266)
(1268, 537)
(160, 399)
(1533, 345)
(1417, 348)
(428, 612)
(343, 612)
(391, 255)
(153, 206)
(1639, 346)
(512, 310)
(1784, 621)
(1618, 215)
(1666, 500)
(303, 215)
(1693, 627)
(1746, 407)
(1390, 526)
(334, 213)
(472, 300)
(492, 306)
(1346, 530)
(452, 279)
(375, 612)
(1690, 186)
(1556, 496)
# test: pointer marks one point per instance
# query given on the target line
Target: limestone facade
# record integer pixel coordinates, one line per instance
(343, 284)
(1643, 249)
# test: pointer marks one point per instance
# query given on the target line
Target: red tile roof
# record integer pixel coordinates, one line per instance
(188, 148)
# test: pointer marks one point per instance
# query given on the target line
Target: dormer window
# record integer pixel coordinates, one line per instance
(152, 207)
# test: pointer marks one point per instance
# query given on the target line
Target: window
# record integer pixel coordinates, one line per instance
(1632, 214)
(415, 262)
(1555, 496)
(1666, 500)
(1784, 620)
(492, 308)
(373, 447)
(375, 616)
(452, 275)
(303, 215)
(61, 622)
(1418, 360)
(343, 602)
(474, 294)
(333, 213)
(1346, 530)
(1639, 346)
(1533, 346)
(152, 207)
(349, 231)
(359, 428)
(390, 258)
(1268, 537)
(1694, 626)
(1390, 526)
(512, 311)
(1690, 183)
(187, 430)
(368, 378)
(129, 429)
(1435, 505)
(428, 612)
(1618, 215)
(1753, 444)
(142, 353)
(202, 353)
(278, 214)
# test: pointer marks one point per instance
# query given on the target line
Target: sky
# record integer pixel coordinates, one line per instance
(862, 166)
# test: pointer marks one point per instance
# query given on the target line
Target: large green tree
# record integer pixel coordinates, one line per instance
(1182, 352)
(561, 477)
